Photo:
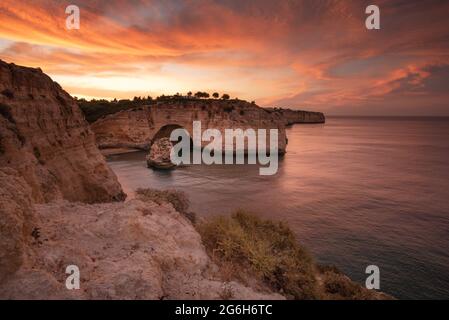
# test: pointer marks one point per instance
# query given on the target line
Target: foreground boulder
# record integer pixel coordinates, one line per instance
(45, 138)
(134, 250)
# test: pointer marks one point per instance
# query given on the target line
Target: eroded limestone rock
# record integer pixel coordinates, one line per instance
(16, 221)
(159, 156)
(133, 250)
(43, 135)
(136, 128)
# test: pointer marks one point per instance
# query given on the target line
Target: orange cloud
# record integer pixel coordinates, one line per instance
(299, 54)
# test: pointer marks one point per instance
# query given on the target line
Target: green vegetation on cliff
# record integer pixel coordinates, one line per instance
(95, 109)
(247, 248)
(267, 250)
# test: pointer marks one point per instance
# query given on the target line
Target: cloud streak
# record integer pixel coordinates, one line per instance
(300, 54)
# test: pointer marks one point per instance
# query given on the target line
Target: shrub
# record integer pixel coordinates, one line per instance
(338, 286)
(95, 109)
(263, 249)
(177, 198)
(225, 96)
(200, 94)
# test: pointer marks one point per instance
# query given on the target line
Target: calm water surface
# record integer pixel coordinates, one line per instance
(356, 191)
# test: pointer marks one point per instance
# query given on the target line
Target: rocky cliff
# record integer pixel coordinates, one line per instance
(17, 218)
(49, 165)
(47, 152)
(290, 116)
(43, 135)
(130, 250)
(138, 127)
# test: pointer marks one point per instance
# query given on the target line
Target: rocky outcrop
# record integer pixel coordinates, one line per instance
(159, 156)
(49, 165)
(290, 116)
(44, 137)
(133, 250)
(47, 152)
(16, 221)
(139, 127)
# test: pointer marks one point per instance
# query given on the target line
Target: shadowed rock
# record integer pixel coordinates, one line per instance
(43, 135)
(159, 156)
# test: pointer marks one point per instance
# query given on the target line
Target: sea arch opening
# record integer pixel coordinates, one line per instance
(165, 132)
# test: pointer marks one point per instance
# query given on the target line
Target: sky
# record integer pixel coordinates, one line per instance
(313, 55)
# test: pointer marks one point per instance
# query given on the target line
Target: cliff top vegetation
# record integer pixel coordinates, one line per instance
(247, 247)
(97, 108)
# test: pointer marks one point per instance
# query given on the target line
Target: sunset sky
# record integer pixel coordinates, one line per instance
(314, 55)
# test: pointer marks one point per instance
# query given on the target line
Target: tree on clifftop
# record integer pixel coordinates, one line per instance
(200, 94)
(225, 96)
(215, 95)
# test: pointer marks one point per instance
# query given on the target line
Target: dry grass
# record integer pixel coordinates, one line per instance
(264, 255)
(337, 286)
(247, 248)
(245, 245)
(177, 198)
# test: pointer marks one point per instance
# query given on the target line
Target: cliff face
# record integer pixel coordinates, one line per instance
(298, 116)
(137, 128)
(43, 135)
(16, 221)
(141, 249)
(124, 250)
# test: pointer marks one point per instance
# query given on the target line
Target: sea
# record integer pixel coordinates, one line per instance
(356, 191)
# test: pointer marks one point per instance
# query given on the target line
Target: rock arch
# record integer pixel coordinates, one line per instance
(139, 128)
(164, 132)
(160, 147)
